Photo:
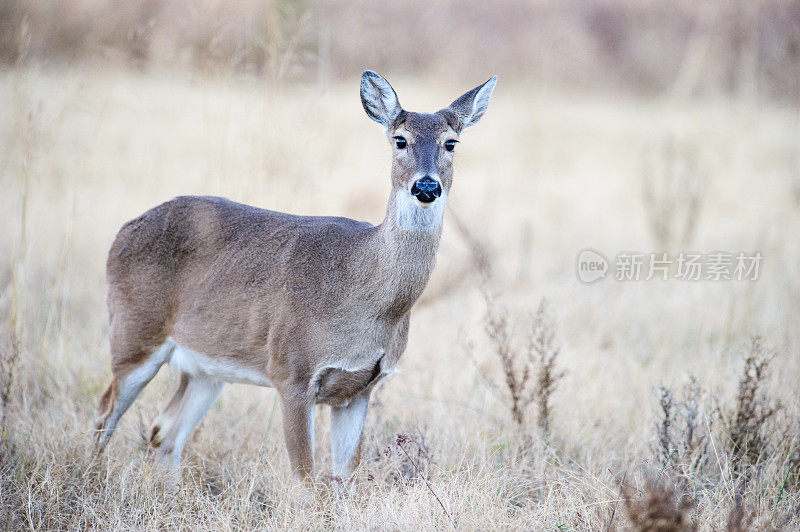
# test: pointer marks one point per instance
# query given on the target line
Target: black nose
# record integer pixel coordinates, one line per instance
(426, 189)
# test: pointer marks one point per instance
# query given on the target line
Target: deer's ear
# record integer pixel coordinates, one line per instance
(379, 99)
(469, 108)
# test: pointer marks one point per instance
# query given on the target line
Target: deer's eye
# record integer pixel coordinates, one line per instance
(400, 142)
(450, 145)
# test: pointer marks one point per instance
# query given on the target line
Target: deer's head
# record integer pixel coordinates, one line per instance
(423, 144)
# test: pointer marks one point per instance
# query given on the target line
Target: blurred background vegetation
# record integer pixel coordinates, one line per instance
(744, 47)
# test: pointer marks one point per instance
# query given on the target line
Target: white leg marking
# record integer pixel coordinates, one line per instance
(346, 425)
(132, 386)
(201, 393)
(412, 216)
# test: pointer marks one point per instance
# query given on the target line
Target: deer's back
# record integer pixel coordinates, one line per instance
(240, 243)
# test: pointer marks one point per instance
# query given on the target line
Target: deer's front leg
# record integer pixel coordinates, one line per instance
(298, 430)
(346, 425)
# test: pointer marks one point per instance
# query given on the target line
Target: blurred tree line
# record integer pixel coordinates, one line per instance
(682, 47)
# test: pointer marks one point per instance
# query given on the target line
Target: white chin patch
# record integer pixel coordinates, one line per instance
(413, 215)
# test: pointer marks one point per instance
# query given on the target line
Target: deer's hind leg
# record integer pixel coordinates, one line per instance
(195, 396)
(169, 415)
(126, 385)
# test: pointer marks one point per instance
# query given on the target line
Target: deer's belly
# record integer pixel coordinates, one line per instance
(200, 365)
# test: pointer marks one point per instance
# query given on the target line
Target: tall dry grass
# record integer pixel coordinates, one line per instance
(82, 150)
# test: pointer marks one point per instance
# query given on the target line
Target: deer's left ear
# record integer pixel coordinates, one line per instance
(469, 108)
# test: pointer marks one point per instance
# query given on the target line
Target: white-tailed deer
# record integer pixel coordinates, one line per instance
(317, 307)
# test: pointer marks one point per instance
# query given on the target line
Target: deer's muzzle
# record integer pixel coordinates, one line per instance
(426, 189)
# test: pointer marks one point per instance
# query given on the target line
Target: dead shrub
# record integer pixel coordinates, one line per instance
(681, 433)
(530, 371)
(664, 427)
(750, 427)
(411, 459)
(411, 463)
(658, 509)
(753, 411)
(8, 362)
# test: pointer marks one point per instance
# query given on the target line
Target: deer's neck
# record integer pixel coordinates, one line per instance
(409, 239)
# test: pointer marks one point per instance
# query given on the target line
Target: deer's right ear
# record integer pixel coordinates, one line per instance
(379, 99)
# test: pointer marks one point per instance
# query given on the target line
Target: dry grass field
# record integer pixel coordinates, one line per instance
(650, 402)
